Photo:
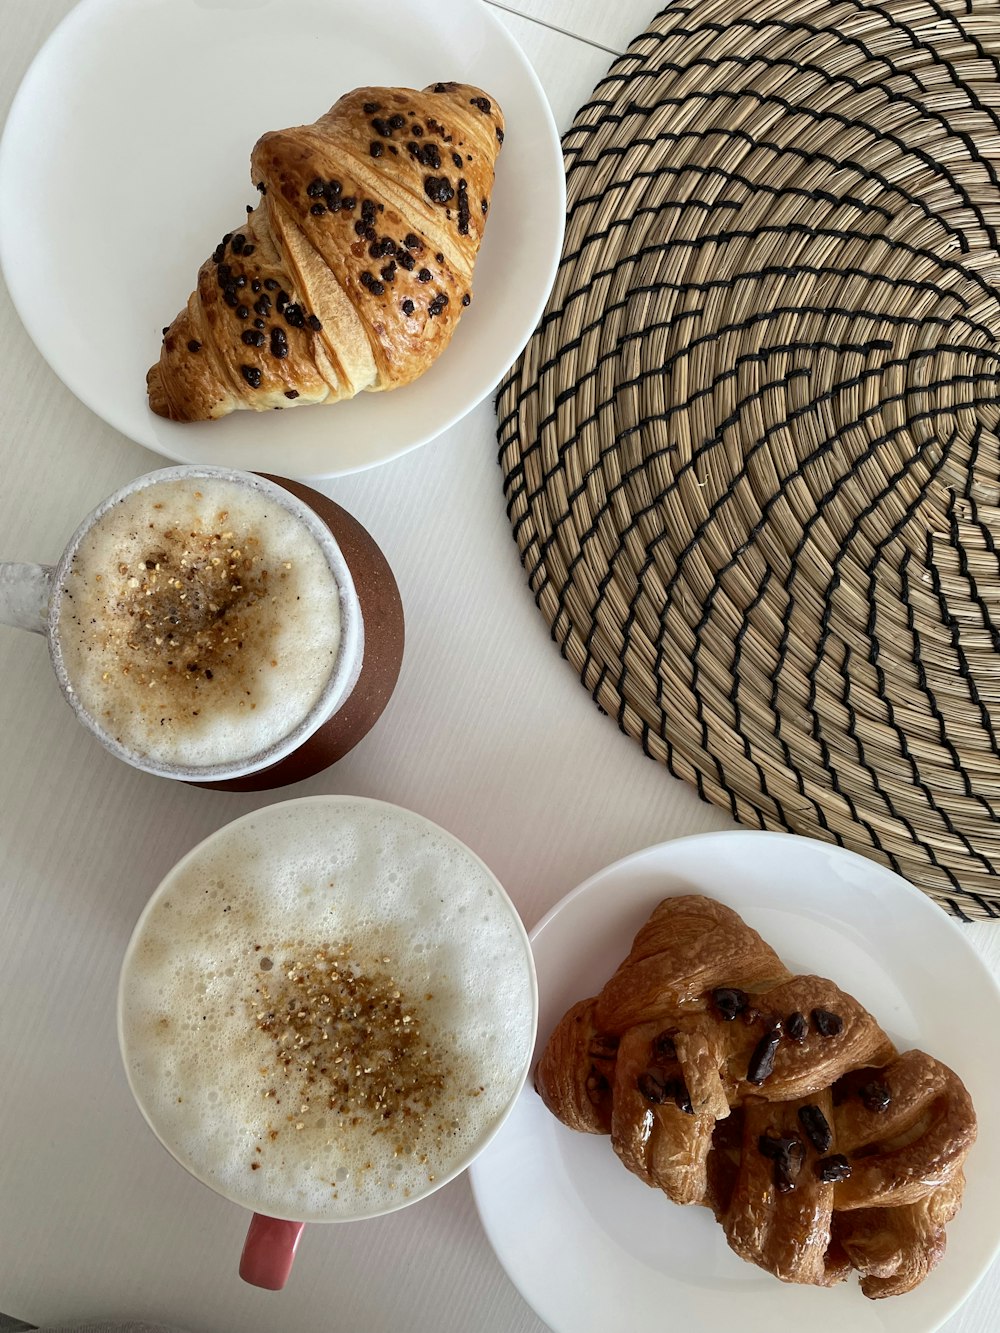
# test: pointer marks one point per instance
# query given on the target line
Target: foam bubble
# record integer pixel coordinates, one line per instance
(297, 879)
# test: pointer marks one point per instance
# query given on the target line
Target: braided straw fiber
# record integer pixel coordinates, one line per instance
(751, 453)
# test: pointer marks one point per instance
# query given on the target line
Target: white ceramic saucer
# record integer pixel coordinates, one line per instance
(589, 1246)
(126, 156)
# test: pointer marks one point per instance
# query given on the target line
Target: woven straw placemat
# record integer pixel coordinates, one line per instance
(751, 454)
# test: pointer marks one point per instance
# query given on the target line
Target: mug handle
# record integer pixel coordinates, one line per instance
(24, 595)
(269, 1251)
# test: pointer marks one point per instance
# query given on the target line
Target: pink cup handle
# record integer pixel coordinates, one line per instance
(269, 1251)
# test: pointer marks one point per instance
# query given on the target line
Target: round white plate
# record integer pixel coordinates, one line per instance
(589, 1246)
(126, 156)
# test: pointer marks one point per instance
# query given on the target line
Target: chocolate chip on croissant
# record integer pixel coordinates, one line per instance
(352, 271)
(819, 1147)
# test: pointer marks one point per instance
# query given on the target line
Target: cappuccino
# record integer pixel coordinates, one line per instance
(198, 620)
(327, 1008)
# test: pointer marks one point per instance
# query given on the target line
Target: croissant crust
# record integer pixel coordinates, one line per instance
(352, 271)
(774, 1099)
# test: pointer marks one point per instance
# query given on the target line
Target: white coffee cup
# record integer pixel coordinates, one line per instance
(33, 597)
(208, 991)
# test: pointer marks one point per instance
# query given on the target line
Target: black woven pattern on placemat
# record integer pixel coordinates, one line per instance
(751, 453)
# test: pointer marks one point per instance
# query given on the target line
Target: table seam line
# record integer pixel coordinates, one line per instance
(552, 27)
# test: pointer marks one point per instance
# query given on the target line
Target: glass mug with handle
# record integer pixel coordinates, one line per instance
(202, 622)
(325, 1011)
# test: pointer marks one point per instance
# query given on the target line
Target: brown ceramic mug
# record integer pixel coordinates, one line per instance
(145, 609)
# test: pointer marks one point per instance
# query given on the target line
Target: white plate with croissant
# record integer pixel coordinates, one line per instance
(787, 1038)
(242, 211)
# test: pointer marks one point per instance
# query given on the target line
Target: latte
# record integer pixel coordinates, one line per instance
(327, 1008)
(198, 621)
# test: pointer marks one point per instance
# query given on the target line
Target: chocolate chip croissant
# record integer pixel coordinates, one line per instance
(354, 268)
(775, 1100)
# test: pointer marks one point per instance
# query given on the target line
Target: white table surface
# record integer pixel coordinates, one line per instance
(488, 733)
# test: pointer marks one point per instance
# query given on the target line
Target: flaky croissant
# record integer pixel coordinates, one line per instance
(775, 1100)
(353, 270)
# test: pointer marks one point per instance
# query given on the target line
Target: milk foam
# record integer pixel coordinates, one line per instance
(297, 877)
(164, 705)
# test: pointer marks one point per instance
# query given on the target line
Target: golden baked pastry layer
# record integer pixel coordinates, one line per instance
(353, 270)
(775, 1100)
